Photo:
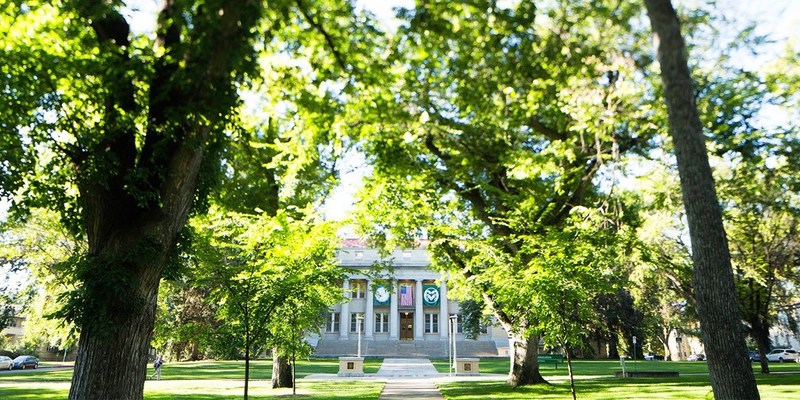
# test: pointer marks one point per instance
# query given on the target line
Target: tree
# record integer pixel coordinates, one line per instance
(39, 249)
(6, 314)
(186, 321)
(495, 128)
(115, 136)
(731, 374)
(471, 311)
(258, 266)
(122, 133)
(568, 270)
(758, 184)
(301, 313)
(762, 222)
(620, 319)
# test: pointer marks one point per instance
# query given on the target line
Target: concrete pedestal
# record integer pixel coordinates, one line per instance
(468, 366)
(351, 366)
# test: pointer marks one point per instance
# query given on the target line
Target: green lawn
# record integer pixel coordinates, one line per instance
(776, 387)
(259, 370)
(210, 390)
(692, 384)
(224, 381)
(608, 367)
(217, 380)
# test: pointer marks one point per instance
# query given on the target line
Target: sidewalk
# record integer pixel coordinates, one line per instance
(411, 379)
(410, 389)
(408, 368)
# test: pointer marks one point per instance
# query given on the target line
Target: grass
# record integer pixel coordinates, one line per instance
(259, 370)
(692, 384)
(608, 367)
(213, 390)
(218, 380)
(205, 380)
(778, 387)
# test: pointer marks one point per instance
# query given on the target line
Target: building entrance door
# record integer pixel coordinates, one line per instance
(406, 325)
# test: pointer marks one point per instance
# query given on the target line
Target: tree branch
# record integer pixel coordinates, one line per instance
(546, 131)
(454, 255)
(328, 38)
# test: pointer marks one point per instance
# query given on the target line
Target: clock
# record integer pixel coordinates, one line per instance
(381, 294)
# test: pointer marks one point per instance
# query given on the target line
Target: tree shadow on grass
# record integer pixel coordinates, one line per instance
(27, 393)
(602, 388)
(779, 386)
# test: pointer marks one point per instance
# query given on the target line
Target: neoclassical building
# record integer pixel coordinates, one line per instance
(406, 311)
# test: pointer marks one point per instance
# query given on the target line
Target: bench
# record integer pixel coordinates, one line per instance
(550, 358)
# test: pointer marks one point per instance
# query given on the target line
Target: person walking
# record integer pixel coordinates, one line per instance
(157, 365)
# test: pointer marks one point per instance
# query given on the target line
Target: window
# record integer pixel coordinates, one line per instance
(359, 289)
(381, 323)
(354, 322)
(406, 255)
(332, 324)
(431, 323)
(359, 255)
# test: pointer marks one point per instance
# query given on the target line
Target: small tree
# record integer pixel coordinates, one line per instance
(259, 266)
(567, 272)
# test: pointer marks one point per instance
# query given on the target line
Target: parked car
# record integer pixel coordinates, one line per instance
(5, 362)
(653, 357)
(23, 362)
(696, 357)
(781, 355)
(754, 356)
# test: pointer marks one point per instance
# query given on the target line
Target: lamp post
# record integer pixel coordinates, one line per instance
(634, 353)
(359, 320)
(449, 348)
(453, 322)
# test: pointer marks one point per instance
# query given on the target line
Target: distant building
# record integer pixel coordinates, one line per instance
(406, 313)
(13, 333)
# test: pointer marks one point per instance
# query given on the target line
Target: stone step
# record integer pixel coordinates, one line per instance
(402, 348)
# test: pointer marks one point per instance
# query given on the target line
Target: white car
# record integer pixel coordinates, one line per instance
(5, 362)
(781, 355)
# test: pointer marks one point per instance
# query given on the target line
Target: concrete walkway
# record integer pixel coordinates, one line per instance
(410, 389)
(408, 368)
(408, 378)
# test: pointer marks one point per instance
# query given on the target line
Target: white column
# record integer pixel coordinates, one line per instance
(369, 318)
(418, 320)
(443, 314)
(344, 316)
(394, 316)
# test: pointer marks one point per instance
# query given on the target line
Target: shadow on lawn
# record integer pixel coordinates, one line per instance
(778, 386)
(607, 388)
(26, 393)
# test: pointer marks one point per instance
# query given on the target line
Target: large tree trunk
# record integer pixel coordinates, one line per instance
(137, 187)
(194, 350)
(281, 371)
(524, 361)
(731, 374)
(613, 346)
(761, 336)
(113, 364)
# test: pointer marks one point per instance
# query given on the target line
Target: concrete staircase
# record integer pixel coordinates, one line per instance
(404, 348)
